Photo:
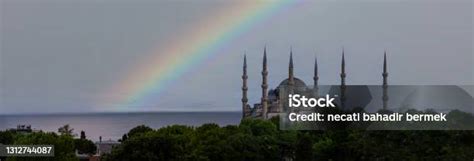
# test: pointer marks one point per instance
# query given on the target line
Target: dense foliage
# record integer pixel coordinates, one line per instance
(256, 139)
(84, 146)
(65, 145)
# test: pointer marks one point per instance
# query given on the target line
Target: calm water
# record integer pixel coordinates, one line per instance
(114, 125)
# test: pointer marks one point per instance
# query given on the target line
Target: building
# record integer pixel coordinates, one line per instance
(105, 147)
(273, 101)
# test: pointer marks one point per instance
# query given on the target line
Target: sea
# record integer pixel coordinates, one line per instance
(111, 126)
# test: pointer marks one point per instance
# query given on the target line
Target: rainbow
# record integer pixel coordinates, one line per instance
(155, 73)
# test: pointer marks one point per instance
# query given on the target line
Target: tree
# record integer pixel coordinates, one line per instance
(304, 151)
(211, 141)
(63, 146)
(84, 146)
(6, 137)
(124, 138)
(256, 139)
(66, 130)
(83, 135)
(149, 146)
(139, 130)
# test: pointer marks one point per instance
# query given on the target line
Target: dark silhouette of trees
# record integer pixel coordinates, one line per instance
(139, 130)
(63, 146)
(124, 138)
(256, 139)
(6, 137)
(262, 140)
(304, 145)
(66, 130)
(83, 135)
(84, 146)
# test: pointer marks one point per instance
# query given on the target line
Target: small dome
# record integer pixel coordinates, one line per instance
(440, 98)
(355, 95)
(298, 83)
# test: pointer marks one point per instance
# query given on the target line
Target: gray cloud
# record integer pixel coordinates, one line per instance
(62, 56)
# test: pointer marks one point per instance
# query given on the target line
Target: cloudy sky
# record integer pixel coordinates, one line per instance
(65, 55)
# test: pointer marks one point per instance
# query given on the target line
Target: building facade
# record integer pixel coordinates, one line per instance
(273, 101)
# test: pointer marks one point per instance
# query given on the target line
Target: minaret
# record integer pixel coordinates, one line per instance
(244, 88)
(291, 80)
(316, 78)
(264, 85)
(385, 84)
(343, 81)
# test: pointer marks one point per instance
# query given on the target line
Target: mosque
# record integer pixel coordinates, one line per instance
(273, 101)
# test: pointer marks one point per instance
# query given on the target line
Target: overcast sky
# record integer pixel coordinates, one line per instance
(62, 56)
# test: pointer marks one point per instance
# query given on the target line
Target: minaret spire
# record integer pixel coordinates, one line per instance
(343, 65)
(264, 85)
(291, 80)
(343, 81)
(316, 77)
(385, 62)
(244, 88)
(385, 83)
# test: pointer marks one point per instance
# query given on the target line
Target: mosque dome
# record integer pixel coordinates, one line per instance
(355, 95)
(298, 82)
